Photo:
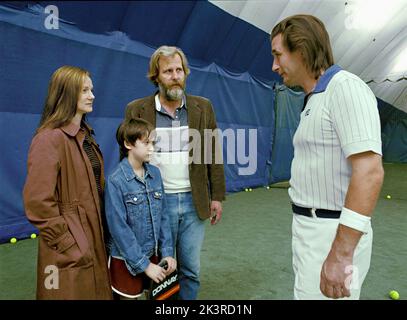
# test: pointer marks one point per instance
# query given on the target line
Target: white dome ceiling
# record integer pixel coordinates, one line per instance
(369, 37)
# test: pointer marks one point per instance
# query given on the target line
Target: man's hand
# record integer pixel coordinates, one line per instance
(216, 212)
(363, 191)
(364, 188)
(336, 272)
(336, 275)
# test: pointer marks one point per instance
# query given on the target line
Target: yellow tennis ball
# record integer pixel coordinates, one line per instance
(246, 189)
(388, 196)
(13, 240)
(394, 295)
(250, 189)
(33, 236)
(268, 187)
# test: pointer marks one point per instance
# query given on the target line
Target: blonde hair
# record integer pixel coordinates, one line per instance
(166, 51)
(63, 95)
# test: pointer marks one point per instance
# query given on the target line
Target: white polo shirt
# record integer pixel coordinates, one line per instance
(340, 119)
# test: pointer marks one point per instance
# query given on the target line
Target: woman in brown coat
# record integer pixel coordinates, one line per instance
(63, 193)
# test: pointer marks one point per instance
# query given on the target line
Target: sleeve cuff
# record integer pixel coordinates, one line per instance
(218, 197)
(167, 252)
(362, 146)
(140, 267)
(62, 243)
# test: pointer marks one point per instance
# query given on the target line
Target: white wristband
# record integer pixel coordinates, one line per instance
(354, 220)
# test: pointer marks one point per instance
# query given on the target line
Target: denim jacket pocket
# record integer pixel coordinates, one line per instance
(135, 204)
(157, 197)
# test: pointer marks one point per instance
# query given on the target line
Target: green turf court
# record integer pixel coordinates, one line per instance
(248, 255)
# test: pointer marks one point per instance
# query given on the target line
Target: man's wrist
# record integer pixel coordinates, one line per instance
(354, 220)
(345, 241)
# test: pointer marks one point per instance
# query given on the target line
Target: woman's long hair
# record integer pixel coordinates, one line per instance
(63, 95)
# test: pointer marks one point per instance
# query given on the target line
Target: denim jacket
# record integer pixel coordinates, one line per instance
(136, 216)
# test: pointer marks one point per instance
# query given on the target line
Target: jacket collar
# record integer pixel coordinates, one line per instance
(194, 111)
(72, 129)
(148, 110)
(129, 172)
(158, 105)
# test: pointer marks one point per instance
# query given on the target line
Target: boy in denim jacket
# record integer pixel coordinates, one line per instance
(136, 207)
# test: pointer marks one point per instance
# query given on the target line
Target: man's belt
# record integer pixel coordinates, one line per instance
(320, 213)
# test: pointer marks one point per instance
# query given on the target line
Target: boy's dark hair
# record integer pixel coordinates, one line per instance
(130, 131)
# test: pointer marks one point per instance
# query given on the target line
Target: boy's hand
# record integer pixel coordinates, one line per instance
(155, 272)
(172, 265)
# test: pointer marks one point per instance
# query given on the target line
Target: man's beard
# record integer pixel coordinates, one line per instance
(172, 93)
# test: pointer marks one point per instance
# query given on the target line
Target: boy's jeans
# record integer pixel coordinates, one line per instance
(188, 233)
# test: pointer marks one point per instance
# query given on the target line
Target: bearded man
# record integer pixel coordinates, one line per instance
(194, 187)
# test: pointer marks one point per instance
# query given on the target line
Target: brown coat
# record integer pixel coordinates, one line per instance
(207, 180)
(61, 199)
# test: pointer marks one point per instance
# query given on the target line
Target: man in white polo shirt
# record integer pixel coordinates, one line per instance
(337, 172)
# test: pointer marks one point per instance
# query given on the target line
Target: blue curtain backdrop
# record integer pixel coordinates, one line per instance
(114, 42)
(394, 132)
(288, 105)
